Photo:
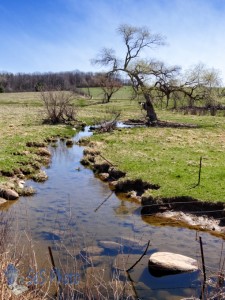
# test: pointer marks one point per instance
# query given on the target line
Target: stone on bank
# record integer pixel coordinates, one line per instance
(8, 194)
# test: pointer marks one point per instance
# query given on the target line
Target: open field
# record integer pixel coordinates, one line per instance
(168, 157)
(21, 122)
(165, 156)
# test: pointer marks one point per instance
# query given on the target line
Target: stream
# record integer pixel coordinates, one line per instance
(63, 211)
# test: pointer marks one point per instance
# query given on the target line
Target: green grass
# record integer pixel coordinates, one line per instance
(97, 93)
(170, 158)
(22, 99)
(21, 122)
(165, 156)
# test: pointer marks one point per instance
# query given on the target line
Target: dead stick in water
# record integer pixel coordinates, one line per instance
(128, 274)
(146, 249)
(54, 268)
(52, 259)
(132, 285)
(203, 259)
(104, 201)
(202, 296)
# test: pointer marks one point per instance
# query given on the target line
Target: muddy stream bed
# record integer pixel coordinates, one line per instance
(62, 214)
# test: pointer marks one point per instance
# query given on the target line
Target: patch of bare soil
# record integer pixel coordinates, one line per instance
(135, 122)
(199, 222)
(186, 211)
(139, 122)
(175, 125)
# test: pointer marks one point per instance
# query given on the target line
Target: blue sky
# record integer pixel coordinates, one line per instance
(63, 35)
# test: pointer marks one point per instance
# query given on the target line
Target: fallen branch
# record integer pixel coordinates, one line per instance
(108, 126)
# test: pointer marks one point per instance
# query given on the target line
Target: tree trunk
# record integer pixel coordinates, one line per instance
(107, 98)
(167, 100)
(148, 106)
(151, 114)
(174, 103)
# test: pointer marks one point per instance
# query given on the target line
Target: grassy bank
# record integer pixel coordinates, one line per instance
(165, 156)
(168, 157)
(22, 122)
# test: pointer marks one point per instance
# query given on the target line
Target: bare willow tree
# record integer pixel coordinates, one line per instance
(136, 40)
(167, 82)
(200, 84)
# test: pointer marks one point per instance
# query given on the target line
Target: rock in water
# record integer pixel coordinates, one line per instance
(92, 250)
(8, 194)
(110, 245)
(69, 143)
(172, 263)
(2, 201)
(103, 176)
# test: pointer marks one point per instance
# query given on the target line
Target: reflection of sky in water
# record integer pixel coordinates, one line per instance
(64, 209)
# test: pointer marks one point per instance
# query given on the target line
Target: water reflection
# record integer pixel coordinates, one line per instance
(63, 214)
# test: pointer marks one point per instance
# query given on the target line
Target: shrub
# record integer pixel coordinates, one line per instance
(59, 106)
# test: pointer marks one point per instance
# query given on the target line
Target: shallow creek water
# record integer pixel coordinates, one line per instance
(64, 210)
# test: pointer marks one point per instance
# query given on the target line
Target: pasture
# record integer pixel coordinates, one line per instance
(168, 157)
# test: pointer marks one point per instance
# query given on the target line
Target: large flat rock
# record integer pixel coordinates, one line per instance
(172, 262)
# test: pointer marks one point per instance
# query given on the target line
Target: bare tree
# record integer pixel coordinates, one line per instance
(135, 39)
(167, 81)
(109, 85)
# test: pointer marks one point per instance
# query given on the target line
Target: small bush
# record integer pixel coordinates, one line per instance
(59, 107)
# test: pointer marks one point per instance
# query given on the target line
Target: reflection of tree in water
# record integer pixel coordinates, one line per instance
(125, 207)
(62, 151)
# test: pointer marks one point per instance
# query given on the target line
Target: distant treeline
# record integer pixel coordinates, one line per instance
(22, 82)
